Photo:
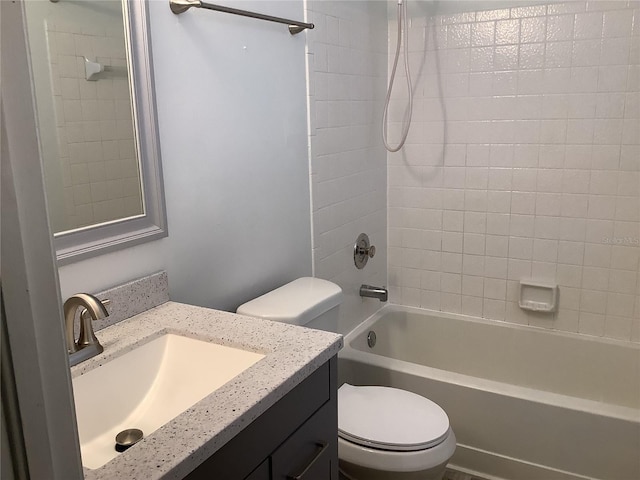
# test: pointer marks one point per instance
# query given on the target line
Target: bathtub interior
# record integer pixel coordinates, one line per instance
(575, 365)
(495, 383)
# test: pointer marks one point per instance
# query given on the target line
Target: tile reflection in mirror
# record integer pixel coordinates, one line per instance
(86, 125)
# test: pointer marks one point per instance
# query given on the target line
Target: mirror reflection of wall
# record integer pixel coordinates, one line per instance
(85, 120)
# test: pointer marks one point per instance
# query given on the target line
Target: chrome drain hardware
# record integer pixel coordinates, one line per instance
(128, 438)
(371, 339)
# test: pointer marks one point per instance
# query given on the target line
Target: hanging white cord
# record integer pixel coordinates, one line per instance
(402, 19)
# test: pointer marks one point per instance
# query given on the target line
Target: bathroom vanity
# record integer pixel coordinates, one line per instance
(277, 419)
(297, 438)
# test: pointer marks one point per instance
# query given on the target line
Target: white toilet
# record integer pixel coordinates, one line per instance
(384, 433)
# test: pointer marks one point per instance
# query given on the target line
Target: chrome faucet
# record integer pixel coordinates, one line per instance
(87, 345)
(380, 293)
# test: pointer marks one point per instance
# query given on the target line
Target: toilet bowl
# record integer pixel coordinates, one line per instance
(383, 433)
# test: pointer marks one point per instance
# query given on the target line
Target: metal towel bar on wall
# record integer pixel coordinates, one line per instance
(180, 6)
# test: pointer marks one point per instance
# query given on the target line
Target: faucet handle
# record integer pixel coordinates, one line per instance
(371, 251)
(85, 315)
(104, 303)
(87, 335)
(363, 250)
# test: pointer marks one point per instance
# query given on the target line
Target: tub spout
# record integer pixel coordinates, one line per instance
(380, 293)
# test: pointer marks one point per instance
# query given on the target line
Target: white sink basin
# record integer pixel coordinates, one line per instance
(147, 387)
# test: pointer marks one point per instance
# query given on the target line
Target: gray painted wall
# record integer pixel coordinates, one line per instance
(231, 100)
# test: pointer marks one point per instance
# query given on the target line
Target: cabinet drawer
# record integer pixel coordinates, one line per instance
(311, 453)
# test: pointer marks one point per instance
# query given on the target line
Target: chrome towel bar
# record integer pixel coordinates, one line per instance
(180, 6)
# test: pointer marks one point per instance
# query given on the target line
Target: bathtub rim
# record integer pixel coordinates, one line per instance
(592, 407)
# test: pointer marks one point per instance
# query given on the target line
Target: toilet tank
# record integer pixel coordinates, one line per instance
(307, 301)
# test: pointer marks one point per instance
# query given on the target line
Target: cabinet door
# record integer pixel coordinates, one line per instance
(261, 473)
(311, 453)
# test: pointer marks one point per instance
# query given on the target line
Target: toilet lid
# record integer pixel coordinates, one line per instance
(389, 418)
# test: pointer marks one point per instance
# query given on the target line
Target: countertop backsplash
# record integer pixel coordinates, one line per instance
(132, 298)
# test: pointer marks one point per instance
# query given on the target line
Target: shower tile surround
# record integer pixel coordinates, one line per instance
(96, 146)
(540, 174)
(346, 65)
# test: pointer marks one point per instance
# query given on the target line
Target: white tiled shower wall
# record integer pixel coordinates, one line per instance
(347, 70)
(96, 147)
(540, 174)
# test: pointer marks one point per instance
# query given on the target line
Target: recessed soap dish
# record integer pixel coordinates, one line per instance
(538, 297)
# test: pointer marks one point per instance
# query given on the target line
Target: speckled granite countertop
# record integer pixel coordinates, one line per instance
(175, 449)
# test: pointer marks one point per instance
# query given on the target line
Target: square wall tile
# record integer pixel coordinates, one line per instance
(540, 179)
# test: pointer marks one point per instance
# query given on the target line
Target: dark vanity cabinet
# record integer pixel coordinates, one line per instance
(295, 439)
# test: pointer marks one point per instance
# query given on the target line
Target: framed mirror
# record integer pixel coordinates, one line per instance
(92, 77)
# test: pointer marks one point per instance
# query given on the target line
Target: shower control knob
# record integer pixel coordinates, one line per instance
(363, 251)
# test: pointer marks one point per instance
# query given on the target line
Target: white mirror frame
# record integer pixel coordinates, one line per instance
(152, 224)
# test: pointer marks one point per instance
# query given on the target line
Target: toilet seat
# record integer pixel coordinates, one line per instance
(389, 419)
(387, 461)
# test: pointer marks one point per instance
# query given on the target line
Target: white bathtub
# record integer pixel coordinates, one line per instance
(524, 402)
